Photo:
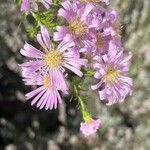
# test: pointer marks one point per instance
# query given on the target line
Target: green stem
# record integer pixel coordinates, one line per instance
(85, 112)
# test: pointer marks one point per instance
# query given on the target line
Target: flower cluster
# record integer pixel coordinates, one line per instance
(90, 38)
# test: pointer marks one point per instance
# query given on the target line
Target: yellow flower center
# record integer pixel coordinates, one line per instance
(46, 81)
(112, 74)
(77, 27)
(53, 59)
(99, 41)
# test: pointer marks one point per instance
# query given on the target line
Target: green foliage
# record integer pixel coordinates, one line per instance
(56, 2)
(18, 2)
(89, 72)
(32, 32)
(47, 18)
(82, 105)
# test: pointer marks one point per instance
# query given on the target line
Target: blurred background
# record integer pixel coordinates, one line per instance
(125, 126)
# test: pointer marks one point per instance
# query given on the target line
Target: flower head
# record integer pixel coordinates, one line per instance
(112, 70)
(47, 94)
(90, 127)
(78, 23)
(51, 59)
(113, 27)
(50, 62)
(26, 5)
(101, 43)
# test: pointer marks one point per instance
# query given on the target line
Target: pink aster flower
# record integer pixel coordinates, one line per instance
(26, 5)
(112, 70)
(90, 127)
(101, 42)
(47, 94)
(78, 24)
(51, 61)
(113, 22)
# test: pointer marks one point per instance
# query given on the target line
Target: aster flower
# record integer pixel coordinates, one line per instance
(78, 26)
(101, 42)
(100, 46)
(90, 127)
(112, 70)
(113, 26)
(100, 38)
(26, 5)
(47, 94)
(50, 61)
(107, 28)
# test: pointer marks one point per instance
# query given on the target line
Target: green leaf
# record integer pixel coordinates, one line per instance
(18, 2)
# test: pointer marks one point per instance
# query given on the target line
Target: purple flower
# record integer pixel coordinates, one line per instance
(90, 127)
(47, 94)
(26, 5)
(78, 24)
(113, 27)
(46, 3)
(112, 69)
(101, 42)
(51, 61)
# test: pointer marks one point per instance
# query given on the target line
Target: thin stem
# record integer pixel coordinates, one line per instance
(85, 113)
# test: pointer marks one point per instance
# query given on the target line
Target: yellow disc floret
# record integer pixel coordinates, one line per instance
(100, 41)
(77, 27)
(53, 59)
(112, 74)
